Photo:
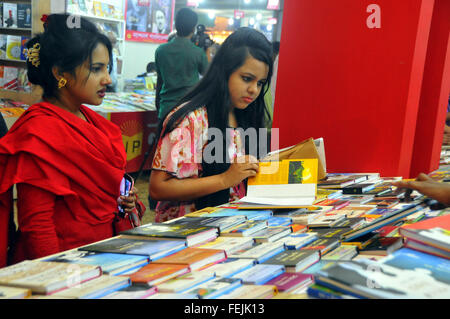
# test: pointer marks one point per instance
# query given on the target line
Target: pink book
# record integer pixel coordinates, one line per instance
(289, 281)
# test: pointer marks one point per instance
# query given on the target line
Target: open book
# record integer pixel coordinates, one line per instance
(283, 183)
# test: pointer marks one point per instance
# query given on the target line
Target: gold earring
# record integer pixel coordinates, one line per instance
(62, 82)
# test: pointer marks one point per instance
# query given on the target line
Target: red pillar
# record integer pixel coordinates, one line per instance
(351, 72)
(435, 93)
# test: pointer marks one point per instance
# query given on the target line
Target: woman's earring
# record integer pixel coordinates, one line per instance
(61, 83)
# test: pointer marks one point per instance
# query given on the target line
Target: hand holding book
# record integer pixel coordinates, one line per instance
(242, 168)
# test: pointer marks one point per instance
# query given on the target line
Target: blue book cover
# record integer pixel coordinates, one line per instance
(154, 248)
(260, 274)
(406, 258)
(279, 221)
(109, 262)
(250, 214)
(216, 287)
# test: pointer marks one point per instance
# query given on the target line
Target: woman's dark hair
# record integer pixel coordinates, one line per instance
(67, 42)
(213, 93)
(185, 22)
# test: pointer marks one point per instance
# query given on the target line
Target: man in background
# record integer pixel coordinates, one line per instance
(178, 63)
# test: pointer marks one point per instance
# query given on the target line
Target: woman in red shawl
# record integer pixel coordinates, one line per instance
(66, 160)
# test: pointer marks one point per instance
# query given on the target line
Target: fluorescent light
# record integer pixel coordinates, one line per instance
(211, 14)
(258, 16)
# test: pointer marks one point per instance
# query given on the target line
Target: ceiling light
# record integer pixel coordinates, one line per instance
(230, 21)
(258, 16)
(211, 14)
(251, 21)
(269, 27)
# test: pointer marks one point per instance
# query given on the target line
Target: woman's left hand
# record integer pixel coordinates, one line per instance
(128, 202)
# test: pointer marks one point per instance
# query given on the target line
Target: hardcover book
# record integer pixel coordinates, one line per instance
(259, 274)
(9, 15)
(195, 258)
(326, 221)
(288, 282)
(24, 15)
(360, 188)
(14, 292)
(13, 45)
(131, 292)
(111, 263)
(215, 288)
(370, 279)
(296, 241)
(192, 235)
(44, 277)
(246, 229)
(153, 274)
(295, 260)
(260, 252)
(221, 222)
(230, 267)
(270, 234)
(285, 183)
(247, 291)
(324, 245)
(330, 232)
(409, 259)
(229, 244)
(344, 252)
(154, 249)
(95, 288)
(256, 214)
(183, 283)
(382, 246)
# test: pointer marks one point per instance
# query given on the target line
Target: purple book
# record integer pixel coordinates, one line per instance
(290, 281)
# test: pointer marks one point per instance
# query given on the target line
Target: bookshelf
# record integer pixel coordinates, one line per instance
(16, 27)
(109, 18)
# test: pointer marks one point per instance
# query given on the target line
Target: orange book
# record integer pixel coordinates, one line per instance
(195, 258)
(153, 274)
(298, 228)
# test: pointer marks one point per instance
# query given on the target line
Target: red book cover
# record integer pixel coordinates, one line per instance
(439, 221)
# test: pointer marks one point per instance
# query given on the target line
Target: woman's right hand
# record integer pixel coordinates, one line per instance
(242, 168)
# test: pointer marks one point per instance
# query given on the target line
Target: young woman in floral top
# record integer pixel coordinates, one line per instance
(191, 169)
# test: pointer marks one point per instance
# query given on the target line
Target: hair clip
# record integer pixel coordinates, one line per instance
(44, 19)
(32, 54)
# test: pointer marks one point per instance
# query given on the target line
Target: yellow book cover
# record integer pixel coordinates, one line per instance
(292, 171)
(291, 182)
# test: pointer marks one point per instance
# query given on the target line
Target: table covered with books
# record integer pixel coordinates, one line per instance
(360, 238)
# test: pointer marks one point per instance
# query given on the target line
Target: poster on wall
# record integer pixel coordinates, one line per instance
(149, 20)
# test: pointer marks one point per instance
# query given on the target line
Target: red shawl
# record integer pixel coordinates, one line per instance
(53, 149)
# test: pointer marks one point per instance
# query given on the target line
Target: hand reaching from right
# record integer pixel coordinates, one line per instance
(242, 168)
(429, 187)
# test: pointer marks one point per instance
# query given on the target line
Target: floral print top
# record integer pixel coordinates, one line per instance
(179, 153)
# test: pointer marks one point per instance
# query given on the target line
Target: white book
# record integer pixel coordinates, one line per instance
(229, 244)
(230, 267)
(95, 288)
(298, 240)
(9, 15)
(46, 277)
(14, 292)
(260, 252)
(185, 282)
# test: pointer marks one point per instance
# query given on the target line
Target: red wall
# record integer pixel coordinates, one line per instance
(358, 87)
(434, 94)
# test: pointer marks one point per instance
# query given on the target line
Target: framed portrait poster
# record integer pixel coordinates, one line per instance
(148, 20)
